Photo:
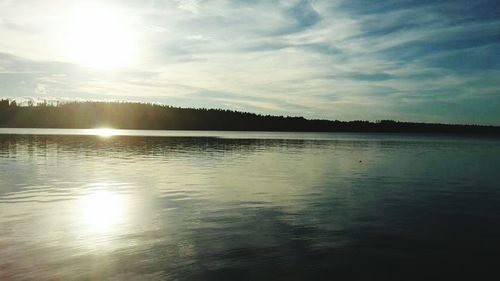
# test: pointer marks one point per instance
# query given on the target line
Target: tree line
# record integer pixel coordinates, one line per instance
(147, 116)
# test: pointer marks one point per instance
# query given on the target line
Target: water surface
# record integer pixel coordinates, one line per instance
(174, 205)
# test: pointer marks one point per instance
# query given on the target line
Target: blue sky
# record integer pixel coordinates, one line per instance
(431, 61)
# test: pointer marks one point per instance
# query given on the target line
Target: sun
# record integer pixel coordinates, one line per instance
(101, 37)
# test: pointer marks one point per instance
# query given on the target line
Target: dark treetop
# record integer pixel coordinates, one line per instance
(126, 115)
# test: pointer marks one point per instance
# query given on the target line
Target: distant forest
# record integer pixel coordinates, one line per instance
(128, 115)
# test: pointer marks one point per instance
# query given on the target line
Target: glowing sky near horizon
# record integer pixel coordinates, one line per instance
(433, 61)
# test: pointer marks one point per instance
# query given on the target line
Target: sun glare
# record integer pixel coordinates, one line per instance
(103, 132)
(102, 211)
(101, 38)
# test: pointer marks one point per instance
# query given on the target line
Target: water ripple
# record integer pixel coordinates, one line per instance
(231, 206)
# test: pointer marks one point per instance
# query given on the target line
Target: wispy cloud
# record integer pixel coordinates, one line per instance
(192, 6)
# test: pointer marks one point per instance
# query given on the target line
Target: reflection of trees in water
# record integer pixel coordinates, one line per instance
(147, 145)
(141, 146)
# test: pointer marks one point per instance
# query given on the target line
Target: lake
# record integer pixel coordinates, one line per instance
(187, 205)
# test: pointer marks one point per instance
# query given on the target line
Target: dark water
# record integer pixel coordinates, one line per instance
(248, 206)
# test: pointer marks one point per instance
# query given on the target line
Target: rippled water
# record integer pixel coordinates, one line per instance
(246, 206)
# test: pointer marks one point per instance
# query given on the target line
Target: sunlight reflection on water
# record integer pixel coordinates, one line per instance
(102, 132)
(102, 211)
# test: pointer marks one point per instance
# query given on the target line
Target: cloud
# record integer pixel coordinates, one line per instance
(304, 14)
(192, 6)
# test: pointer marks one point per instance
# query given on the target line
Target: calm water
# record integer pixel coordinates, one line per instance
(247, 206)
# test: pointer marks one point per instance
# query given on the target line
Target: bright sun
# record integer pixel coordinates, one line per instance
(101, 38)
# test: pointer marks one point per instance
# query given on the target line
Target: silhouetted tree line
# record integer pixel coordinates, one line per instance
(128, 115)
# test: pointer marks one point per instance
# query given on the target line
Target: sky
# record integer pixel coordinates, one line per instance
(413, 60)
